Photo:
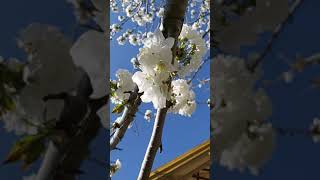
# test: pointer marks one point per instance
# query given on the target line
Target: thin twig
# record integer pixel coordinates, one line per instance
(252, 67)
(200, 67)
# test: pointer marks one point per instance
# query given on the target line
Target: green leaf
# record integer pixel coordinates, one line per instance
(32, 155)
(113, 85)
(27, 149)
(8, 103)
(118, 108)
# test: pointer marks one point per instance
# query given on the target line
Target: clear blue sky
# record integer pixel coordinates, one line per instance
(15, 15)
(180, 133)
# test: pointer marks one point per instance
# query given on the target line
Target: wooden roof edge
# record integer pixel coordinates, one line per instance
(183, 159)
(189, 174)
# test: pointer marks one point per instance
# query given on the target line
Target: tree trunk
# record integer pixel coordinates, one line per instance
(172, 24)
(63, 162)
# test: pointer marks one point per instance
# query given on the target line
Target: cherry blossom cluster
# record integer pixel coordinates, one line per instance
(184, 102)
(157, 67)
(243, 137)
(155, 63)
(193, 49)
(143, 14)
(139, 12)
(122, 87)
(47, 52)
(200, 14)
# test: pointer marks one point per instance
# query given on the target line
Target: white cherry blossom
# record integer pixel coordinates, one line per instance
(148, 115)
(198, 43)
(124, 86)
(184, 98)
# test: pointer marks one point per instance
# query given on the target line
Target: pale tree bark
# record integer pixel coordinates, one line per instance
(126, 119)
(172, 25)
(154, 144)
(49, 162)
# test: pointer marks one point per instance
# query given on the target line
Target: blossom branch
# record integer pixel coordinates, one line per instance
(63, 159)
(126, 119)
(172, 25)
(252, 67)
(206, 33)
(127, 18)
(200, 67)
(73, 157)
(154, 144)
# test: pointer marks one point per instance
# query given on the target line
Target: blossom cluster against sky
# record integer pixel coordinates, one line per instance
(294, 104)
(180, 134)
(40, 12)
